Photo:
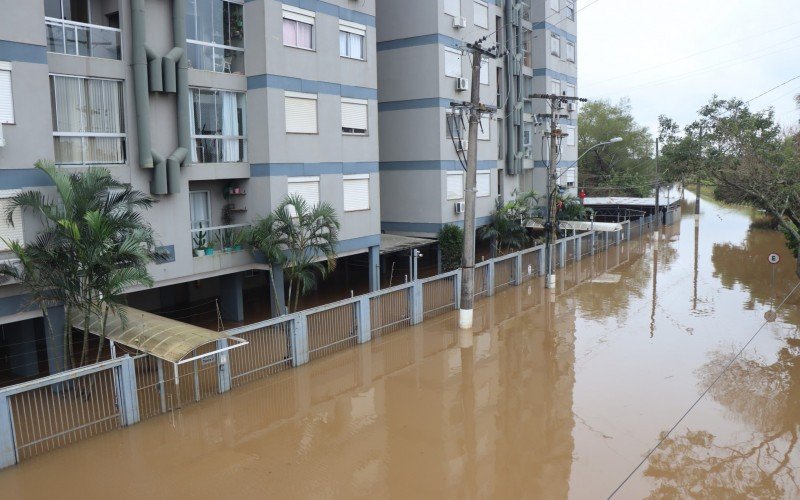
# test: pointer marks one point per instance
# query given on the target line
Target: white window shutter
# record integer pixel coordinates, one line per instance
(7, 231)
(481, 13)
(298, 14)
(452, 63)
(6, 101)
(301, 113)
(305, 187)
(483, 183)
(354, 114)
(356, 192)
(455, 186)
(571, 136)
(452, 7)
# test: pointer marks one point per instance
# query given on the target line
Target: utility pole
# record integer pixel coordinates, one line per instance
(475, 109)
(658, 208)
(555, 139)
(697, 200)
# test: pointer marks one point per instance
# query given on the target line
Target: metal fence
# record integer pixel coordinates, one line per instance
(54, 411)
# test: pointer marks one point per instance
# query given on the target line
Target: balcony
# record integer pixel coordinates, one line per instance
(81, 39)
(209, 241)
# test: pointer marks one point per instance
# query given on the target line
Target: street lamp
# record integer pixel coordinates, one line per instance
(550, 281)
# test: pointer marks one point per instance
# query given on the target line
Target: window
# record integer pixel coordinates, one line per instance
(215, 36)
(298, 27)
(483, 183)
(6, 98)
(566, 177)
(306, 187)
(452, 7)
(527, 135)
(452, 62)
(88, 120)
(8, 231)
(455, 186)
(354, 116)
(301, 113)
(571, 136)
(526, 10)
(200, 209)
(481, 12)
(555, 45)
(554, 5)
(351, 40)
(484, 71)
(72, 28)
(356, 192)
(569, 90)
(570, 11)
(527, 87)
(485, 131)
(570, 51)
(218, 126)
(555, 87)
(527, 45)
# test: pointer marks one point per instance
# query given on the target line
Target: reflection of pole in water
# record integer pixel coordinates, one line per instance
(465, 342)
(655, 293)
(696, 251)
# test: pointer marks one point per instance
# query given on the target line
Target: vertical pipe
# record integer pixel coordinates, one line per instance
(181, 74)
(140, 83)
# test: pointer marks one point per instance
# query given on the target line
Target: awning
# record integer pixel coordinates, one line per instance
(394, 243)
(581, 225)
(162, 337)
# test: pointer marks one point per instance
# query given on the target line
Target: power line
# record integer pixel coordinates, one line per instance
(773, 88)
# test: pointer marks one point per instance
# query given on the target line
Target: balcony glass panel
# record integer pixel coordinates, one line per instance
(78, 39)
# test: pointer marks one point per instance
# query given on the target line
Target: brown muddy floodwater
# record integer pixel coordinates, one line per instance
(551, 396)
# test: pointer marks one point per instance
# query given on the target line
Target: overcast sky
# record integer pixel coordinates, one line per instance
(670, 56)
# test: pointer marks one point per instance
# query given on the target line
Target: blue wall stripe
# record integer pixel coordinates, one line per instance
(22, 52)
(361, 243)
(428, 102)
(415, 41)
(555, 30)
(449, 165)
(310, 86)
(298, 169)
(331, 10)
(426, 227)
(19, 178)
(555, 74)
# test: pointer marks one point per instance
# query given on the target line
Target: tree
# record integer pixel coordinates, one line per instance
(451, 243)
(94, 245)
(265, 238)
(618, 169)
(507, 225)
(308, 236)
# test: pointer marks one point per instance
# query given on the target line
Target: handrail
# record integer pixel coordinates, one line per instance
(232, 226)
(61, 377)
(53, 20)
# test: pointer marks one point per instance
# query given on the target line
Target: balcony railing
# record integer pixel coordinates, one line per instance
(80, 39)
(210, 240)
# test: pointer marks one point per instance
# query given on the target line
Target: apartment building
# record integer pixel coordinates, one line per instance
(423, 68)
(218, 108)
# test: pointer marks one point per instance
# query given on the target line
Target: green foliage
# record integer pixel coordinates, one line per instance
(507, 224)
(93, 246)
(451, 245)
(621, 169)
(302, 238)
(570, 208)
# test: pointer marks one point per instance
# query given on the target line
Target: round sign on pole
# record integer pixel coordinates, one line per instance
(774, 258)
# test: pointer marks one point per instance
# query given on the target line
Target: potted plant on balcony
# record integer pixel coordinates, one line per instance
(199, 242)
(238, 238)
(209, 249)
(225, 239)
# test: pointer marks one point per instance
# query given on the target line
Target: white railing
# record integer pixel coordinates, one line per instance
(81, 39)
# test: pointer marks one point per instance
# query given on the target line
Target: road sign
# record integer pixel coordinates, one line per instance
(774, 258)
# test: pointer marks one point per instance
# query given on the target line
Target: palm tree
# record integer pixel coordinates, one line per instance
(309, 235)
(93, 246)
(264, 237)
(507, 224)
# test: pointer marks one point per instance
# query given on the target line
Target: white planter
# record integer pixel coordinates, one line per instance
(198, 253)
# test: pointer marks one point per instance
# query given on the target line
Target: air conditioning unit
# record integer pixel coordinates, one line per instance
(2, 139)
(462, 84)
(572, 107)
(460, 207)
(459, 22)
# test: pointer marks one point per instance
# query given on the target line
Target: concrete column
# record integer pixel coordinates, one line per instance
(300, 340)
(417, 307)
(374, 268)
(21, 340)
(8, 456)
(223, 367)
(277, 295)
(562, 253)
(490, 278)
(518, 269)
(364, 321)
(54, 339)
(457, 287)
(578, 249)
(231, 300)
(618, 236)
(127, 391)
(593, 242)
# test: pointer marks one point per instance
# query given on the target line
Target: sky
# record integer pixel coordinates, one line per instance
(670, 56)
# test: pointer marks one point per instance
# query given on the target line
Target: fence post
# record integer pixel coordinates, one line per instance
(618, 236)
(578, 249)
(8, 454)
(593, 242)
(223, 367)
(518, 269)
(300, 339)
(562, 253)
(542, 268)
(457, 291)
(628, 230)
(641, 225)
(128, 394)
(364, 321)
(416, 302)
(490, 278)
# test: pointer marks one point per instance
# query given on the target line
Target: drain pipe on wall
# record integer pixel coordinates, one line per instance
(140, 84)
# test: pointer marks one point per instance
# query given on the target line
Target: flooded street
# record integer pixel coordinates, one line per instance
(553, 396)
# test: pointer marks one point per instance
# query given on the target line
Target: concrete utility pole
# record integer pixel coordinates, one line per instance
(555, 137)
(658, 208)
(475, 109)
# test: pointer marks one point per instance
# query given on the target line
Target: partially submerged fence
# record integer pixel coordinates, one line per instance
(44, 414)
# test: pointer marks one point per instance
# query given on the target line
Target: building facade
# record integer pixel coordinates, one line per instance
(217, 108)
(423, 68)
